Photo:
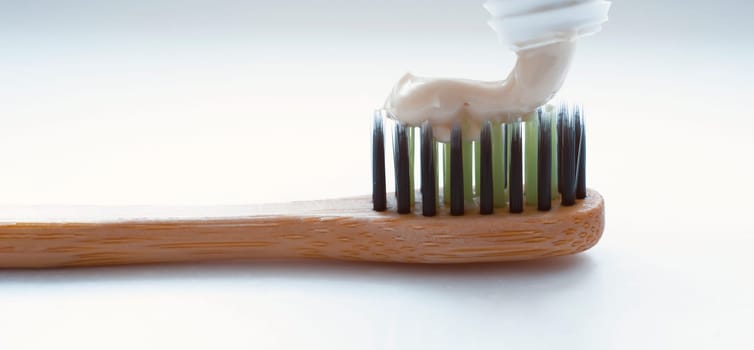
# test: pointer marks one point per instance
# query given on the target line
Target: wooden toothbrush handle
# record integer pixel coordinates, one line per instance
(344, 229)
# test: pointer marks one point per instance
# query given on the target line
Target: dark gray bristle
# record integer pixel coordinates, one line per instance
(428, 186)
(505, 156)
(456, 171)
(485, 169)
(396, 128)
(581, 157)
(568, 191)
(402, 173)
(516, 175)
(544, 163)
(379, 193)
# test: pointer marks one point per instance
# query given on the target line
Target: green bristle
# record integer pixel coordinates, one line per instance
(477, 167)
(530, 159)
(554, 146)
(498, 170)
(410, 131)
(436, 148)
(468, 163)
(446, 173)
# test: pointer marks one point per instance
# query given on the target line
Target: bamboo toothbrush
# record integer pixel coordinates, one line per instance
(498, 217)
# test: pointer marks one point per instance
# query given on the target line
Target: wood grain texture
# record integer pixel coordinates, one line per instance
(345, 229)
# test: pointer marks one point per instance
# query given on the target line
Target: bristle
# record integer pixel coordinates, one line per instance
(411, 145)
(498, 165)
(506, 154)
(403, 173)
(554, 193)
(428, 187)
(581, 159)
(396, 128)
(544, 163)
(516, 185)
(446, 173)
(531, 134)
(456, 171)
(568, 165)
(468, 165)
(485, 186)
(436, 152)
(379, 193)
(477, 168)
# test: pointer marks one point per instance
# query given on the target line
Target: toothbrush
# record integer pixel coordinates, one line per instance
(357, 229)
(498, 183)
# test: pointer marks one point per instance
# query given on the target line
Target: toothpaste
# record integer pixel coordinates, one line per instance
(542, 33)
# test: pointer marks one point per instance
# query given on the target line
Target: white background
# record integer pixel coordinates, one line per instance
(201, 103)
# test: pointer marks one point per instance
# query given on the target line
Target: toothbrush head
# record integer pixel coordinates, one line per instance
(529, 182)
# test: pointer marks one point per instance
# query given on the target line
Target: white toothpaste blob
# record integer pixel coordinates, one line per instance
(541, 32)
